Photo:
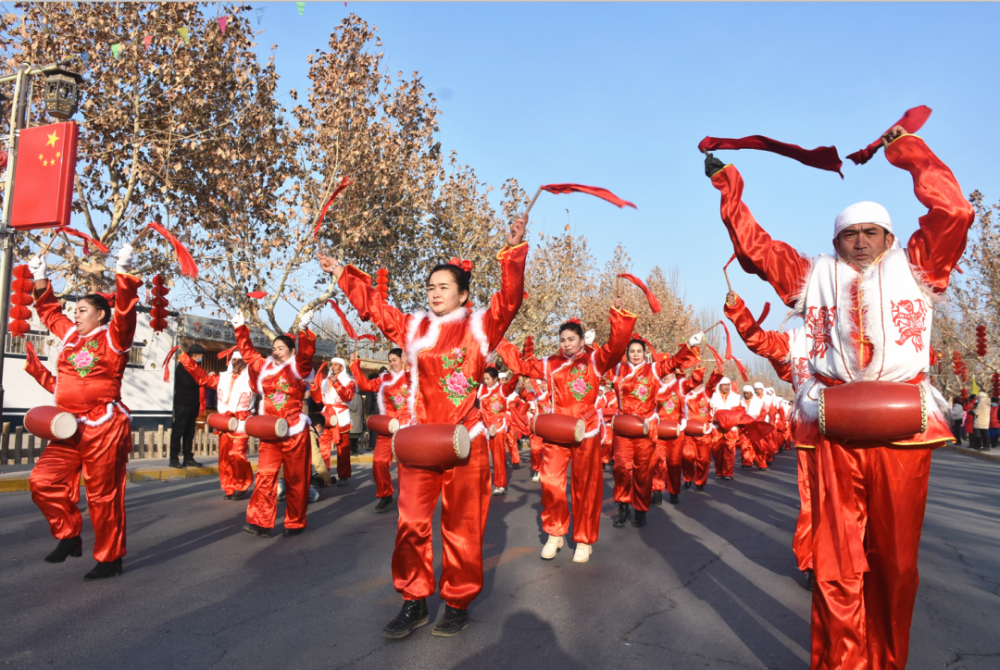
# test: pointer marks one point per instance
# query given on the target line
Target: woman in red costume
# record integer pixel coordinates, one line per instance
(493, 408)
(668, 459)
(279, 380)
(635, 383)
(447, 350)
(698, 406)
(235, 398)
(335, 393)
(574, 379)
(392, 391)
(540, 403)
(607, 404)
(93, 352)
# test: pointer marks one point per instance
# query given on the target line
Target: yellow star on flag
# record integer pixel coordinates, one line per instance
(52, 140)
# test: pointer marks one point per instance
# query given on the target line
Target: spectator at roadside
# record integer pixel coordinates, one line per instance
(957, 419)
(981, 423)
(994, 422)
(187, 406)
(357, 410)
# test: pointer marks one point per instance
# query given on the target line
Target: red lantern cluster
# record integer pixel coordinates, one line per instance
(382, 282)
(981, 340)
(996, 385)
(961, 369)
(964, 396)
(20, 298)
(158, 313)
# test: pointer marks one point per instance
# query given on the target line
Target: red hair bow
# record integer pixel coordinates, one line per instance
(574, 320)
(463, 263)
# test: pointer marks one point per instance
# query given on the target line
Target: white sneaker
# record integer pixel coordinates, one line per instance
(497, 490)
(551, 547)
(583, 552)
(503, 491)
(537, 476)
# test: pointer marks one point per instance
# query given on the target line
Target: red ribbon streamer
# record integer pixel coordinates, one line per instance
(719, 362)
(257, 295)
(351, 333)
(166, 363)
(654, 304)
(368, 336)
(824, 158)
(344, 183)
(912, 121)
(726, 266)
(87, 239)
(729, 353)
(602, 193)
(227, 353)
(764, 313)
(188, 266)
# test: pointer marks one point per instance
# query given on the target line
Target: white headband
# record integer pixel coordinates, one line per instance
(725, 380)
(862, 212)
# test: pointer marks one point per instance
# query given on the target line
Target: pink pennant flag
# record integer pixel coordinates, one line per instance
(148, 41)
(222, 23)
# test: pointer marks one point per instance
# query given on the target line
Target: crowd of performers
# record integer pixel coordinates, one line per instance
(661, 419)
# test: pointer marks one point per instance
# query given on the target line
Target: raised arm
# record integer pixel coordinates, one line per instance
(939, 243)
(686, 357)
(250, 356)
(304, 351)
(511, 385)
(611, 353)
(713, 381)
(773, 261)
(50, 312)
(316, 388)
(357, 286)
(507, 301)
(201, 377)
(344, 387)
(121, 329)
(366, 385)
(34, 367)
(518, 364)
(770, 344)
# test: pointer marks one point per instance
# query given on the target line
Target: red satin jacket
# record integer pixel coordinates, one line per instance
(282, 387)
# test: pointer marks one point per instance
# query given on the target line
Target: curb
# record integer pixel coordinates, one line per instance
(14, 484)
(995, 458)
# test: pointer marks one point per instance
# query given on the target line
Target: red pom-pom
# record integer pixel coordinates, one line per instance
(18, 328)
(22, 285)
(21, 299)
(22, 272)
(20, 312)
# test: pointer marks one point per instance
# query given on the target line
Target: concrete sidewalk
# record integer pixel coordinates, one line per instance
(990, 455)
(15, 477)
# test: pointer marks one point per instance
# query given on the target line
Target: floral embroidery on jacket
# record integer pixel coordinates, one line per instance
(455, 384)
(641, 391)
(84, 360)
(578, 384)
(399, 399)
(669, 404)
(279, 398)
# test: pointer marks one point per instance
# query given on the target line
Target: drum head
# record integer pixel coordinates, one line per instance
(393, 426)
(463, 443)
(64, 426)
(281, 428)
(579, 430)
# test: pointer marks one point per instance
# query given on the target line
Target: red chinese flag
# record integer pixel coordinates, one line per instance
(43, 186)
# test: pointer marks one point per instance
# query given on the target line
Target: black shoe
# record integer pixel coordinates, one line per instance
(745, 466)
(728, 478)
(810, 579)
(657, 497)
(452, 623)
(292, 532)
(238, 495)
(228, 496)
(254, 529)
(174, 463)
(699, 487)
(624, 511)
(413, 615)
(104, 570)
(343, 482)
(673, 499)
(640, 520)
(71, 546)
(383, 504)
(687, 485)
(190, 463)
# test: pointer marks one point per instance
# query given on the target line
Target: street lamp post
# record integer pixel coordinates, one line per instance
(61, 95)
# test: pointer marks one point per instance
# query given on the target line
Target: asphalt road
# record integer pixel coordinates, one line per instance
(711, 583)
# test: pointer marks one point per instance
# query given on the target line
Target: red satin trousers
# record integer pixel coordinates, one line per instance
(292, 455)
(633, 471)
(668, 463)
(697, 455)
(342, 438)
(802, 540)
(512, 447)
(725, 454)
(235, 471)
(101, 453)
(498, 450)
(587, 485)
(381, 461)
(536, 445)
(465, 499)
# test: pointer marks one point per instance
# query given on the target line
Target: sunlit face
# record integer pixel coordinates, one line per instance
(747, 395)
(489, 379)
(280, 351)
(636, 353)
(759, 392)
(239, 366)
(570, 343)
(395, 363)
(87, 317)
(861, 244)
(443, 295)
(724, 389)
(336, 367)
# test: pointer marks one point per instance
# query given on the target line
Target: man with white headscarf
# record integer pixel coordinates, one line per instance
(867, 315)
(725, 442)
(336, 391)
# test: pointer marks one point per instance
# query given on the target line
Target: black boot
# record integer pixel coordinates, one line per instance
(238, 495)
(254, 529)
(190, 463)
(810, 579)
(104, 570)
(699, 487)
(452, 623)
(383, 504)
(71, 546)
(657, 497)
(674, 499)
(412, 615)
(687, 484)
(640, 520)
(624, 511)
(174, 463)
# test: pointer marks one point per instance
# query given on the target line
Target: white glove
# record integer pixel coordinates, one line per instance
(237, 320)
(306, 320)
(124, 263)
(241, 427)
(38, 268)
(588, 337)
(696, 339)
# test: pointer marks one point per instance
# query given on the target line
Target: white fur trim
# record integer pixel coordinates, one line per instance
(107, 416)
(477, 430)
(300, 426)
(478, 333)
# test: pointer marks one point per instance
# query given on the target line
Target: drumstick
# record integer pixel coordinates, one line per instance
(710, 328)
(785, 319)
(727, 280)
(44, 250)
(532, 203)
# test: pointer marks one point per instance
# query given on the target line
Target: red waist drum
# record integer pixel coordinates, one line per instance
(227, 423)
(559, 428)
(668, 430)
(882, 411)
(380, 424)
(695, 427)
(267, 427)
(432, 445)
(629, 425)
(51, 423)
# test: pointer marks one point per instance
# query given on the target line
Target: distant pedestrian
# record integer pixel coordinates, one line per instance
(187, 406)
(994, 422)
(981, 423)
(957, 419)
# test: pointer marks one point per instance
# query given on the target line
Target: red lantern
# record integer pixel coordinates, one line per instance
(981, 340)
(964, 395)
(996, 385)
(158, 313)
(20, 297)
(956, 360)
(382, 282)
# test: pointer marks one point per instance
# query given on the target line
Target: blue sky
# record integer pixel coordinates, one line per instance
(619, 95)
